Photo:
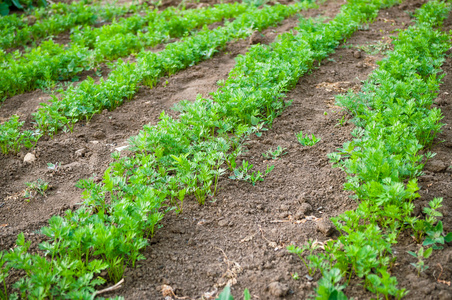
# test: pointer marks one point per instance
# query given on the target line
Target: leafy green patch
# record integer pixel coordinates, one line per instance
(36, 187)
(42, 65)
(394, 122)
(310, 247)
(274, 154)
(435, 236)
(243, 173)
(306, 140)
(226, 294)
(421, 255)
(51, 19)
(12, 138)
(89, 98)
(19, 4)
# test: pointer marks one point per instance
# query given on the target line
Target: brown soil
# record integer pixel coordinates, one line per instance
(240, 236)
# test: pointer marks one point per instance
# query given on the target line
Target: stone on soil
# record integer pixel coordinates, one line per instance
(223, 223)
(29, 158)
(357, 54)
(257, 38)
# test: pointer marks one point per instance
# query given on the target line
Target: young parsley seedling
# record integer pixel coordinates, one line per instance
(307, 141)
(279, 151)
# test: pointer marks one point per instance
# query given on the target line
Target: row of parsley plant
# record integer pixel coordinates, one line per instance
(17, 30)
(91, 46)
(394, 123)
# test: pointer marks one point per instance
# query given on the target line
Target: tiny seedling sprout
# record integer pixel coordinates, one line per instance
(306, 140)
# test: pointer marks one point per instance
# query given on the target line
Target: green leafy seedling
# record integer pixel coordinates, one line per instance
(3, 276)
(274, 154)
(34, 188)
(432, 211)
(329, 286)
(386, 285)
(341, 122)
(241, 173)
(269, 169)
(421, 255)
(311, 246)
(257, 176)
(422, 226)
(435, 236)
(54, 167)
(306, 140)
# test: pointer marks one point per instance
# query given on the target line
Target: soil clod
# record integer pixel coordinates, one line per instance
(278, 289)
(304, 210)
(325, 226)
(435, 166)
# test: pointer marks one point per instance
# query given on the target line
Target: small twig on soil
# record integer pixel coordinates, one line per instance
(225, 256)
(270, 243)
(440, 280)
(112, 288)
(168, 291)
(248, 238)
(210, 295)
(308, 218)
(320, 244)
(386, 20)
(280, 221)
(231, 273)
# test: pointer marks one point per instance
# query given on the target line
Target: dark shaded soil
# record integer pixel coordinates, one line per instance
(240, 236)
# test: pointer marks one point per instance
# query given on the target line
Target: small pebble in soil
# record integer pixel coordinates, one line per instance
(283, 215)
(425, 287)
(284, 207)
(357, 54)
(29, 158)
(223, 223)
